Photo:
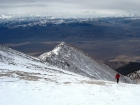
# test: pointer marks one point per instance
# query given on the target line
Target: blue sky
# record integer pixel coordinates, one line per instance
(70, 8)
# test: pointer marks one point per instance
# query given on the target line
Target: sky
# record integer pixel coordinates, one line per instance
(70, 8)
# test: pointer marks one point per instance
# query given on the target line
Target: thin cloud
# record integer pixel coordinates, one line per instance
(72, 7)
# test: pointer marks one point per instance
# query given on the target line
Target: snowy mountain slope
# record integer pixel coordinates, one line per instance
(18, 66)
(135, 76)
(25, 80)
(15, 58)
(72, 59)
(21, 66)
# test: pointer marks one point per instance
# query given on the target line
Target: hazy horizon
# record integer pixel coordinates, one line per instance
(66, 8)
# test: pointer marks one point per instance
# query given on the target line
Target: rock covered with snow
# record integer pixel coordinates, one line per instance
(73, 59)
(135, 76)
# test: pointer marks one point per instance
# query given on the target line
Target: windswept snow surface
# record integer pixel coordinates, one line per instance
(25, 80)
(87, 92)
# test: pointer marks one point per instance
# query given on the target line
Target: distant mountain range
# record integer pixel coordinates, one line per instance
(39, 28)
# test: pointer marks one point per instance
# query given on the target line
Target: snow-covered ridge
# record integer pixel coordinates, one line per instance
(38, 21)
(135, 76)
(73, 59)
(25, 22)
(19, 66)
(63, 59)
(6, 52)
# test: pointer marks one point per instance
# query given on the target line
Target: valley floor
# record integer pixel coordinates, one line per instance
(22, 92)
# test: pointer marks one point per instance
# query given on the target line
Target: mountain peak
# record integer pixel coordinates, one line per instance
(62, 44)
(55, 51)
(72, 59)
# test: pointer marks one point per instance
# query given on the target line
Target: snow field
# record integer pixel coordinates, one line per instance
(21, 92)
(25, 80)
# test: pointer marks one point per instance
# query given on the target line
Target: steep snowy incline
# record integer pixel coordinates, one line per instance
(135, 76)
(14, 64)
(72, 59)
(15, 58)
